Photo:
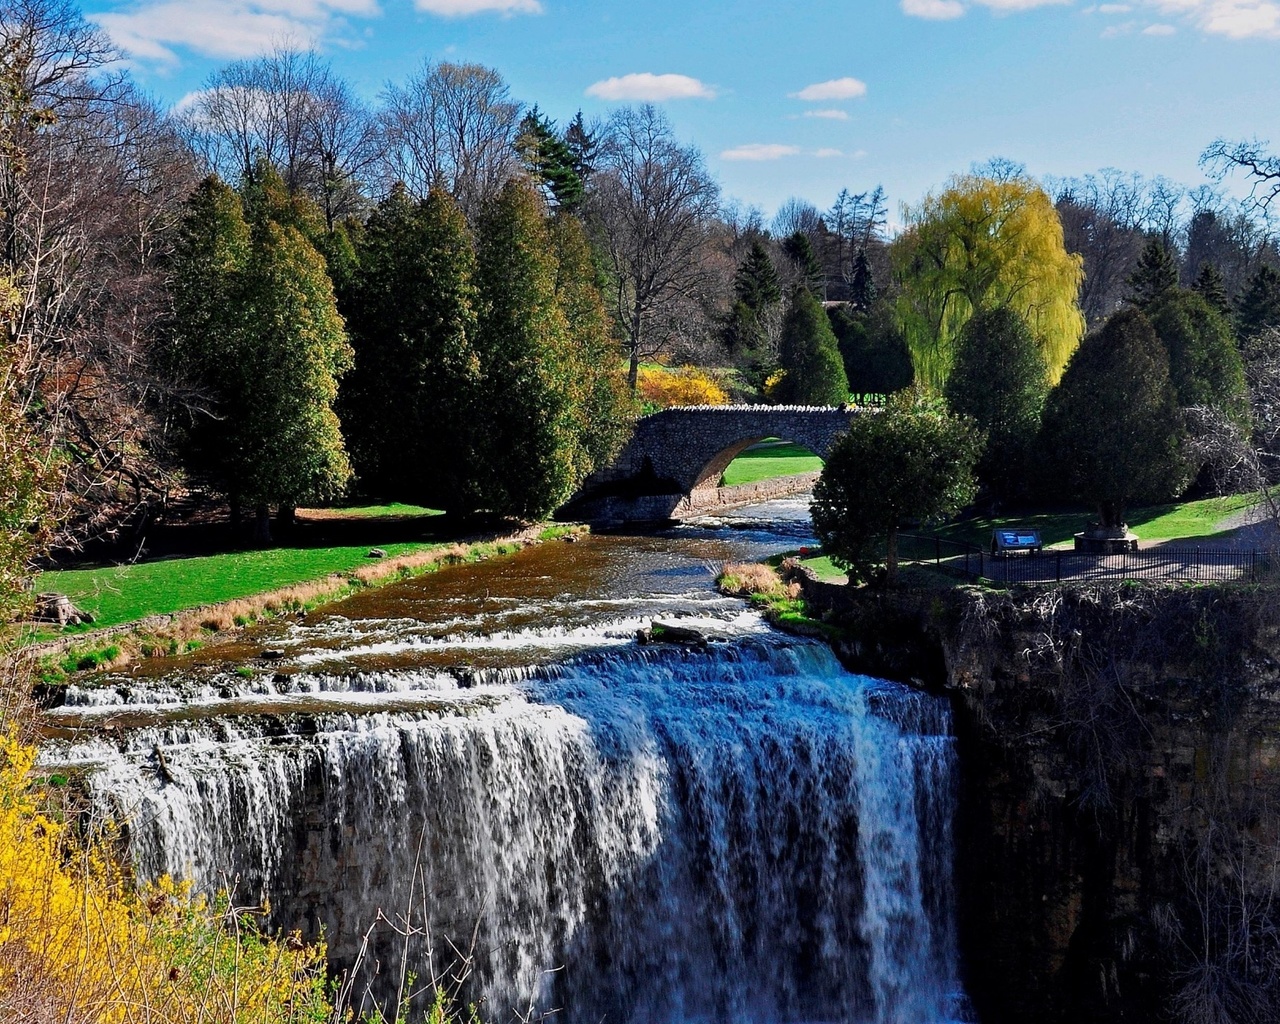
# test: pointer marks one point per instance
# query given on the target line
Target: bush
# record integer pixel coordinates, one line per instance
(662, 388)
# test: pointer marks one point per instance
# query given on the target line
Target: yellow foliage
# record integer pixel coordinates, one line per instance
(984, 244)
(663, 388)
(772, 381)
(78, 946)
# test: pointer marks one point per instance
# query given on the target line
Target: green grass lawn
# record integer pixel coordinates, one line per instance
(123, 593)
(768, 459)
(1189, 520)
(381, 511)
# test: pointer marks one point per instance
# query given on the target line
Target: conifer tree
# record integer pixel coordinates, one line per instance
(1155, 275)
(1205, 368)
(1259, 307)
(411, 315)
(550, 161)
(862, 285)
(583, 144)
(809, 356)
(756, 282)
(1112, 434)
(799, 251)
(1211, 287)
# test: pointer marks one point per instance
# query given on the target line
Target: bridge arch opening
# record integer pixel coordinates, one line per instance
(758, 459)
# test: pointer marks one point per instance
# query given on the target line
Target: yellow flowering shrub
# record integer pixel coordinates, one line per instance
(79, 946)
(661, 388)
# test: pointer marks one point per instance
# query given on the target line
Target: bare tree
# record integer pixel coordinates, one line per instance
(1102, 219)
(452, 126)
(1251, 156)
(652, 203)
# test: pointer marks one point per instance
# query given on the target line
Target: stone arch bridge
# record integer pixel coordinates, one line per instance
(672, 465)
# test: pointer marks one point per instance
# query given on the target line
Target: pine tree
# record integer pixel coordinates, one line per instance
(1211, 287)
(1259, 307)
(756, 282)
(799, 250)
(809, 356)
(411, 315)
(1155, 275)
(550, 161)
(583, 145)
(872, 347)
(862, 285)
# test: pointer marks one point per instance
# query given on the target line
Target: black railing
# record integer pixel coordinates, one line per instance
(1181, 564)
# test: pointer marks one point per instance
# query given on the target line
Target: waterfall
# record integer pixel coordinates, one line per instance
(745, 833)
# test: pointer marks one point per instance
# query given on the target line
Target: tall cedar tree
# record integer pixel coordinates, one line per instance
(1204, 364)
(531, 445)
(1155, 275)
(1112, 434)
(257, 328)
(411, 315)
(756, 294)
(862, 283)
(872, 347)
(1258, 308)
(999, 380)
(914, 461)
(809, 356)
(799, 250)
(1213, 289)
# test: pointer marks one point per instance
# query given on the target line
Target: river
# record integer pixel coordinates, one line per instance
(482, 772)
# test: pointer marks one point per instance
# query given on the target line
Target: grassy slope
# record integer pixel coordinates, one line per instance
(123, 593)
(769, 459)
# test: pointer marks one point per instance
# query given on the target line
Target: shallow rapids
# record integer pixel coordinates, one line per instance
(483, 766)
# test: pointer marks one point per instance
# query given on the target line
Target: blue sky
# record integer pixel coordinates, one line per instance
(804, 97)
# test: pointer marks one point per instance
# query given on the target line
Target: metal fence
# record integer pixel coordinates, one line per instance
(1183, 564)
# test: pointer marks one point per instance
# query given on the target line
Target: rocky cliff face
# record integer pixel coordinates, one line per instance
(1119, 841)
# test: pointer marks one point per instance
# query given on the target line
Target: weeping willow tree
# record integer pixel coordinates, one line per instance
(984, 244)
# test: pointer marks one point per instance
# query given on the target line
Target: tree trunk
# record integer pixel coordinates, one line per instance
(286, 516)
(262, 526)
(633, 372)
(891, 558)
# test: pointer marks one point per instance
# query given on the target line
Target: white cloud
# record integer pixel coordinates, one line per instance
(463, 8)
(1124, 28)
(826, 154)
(1113, 9)
(836, 89)
(153, 30)
(934, 10)
(1235, 19)
(760, 151)
(1010, 6)
(829, 115)
(647, 87)
(1159, 30)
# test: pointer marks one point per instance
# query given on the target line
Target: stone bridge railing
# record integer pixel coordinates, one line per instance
(677, 454)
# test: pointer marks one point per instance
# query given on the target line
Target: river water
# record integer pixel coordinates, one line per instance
(482, 772)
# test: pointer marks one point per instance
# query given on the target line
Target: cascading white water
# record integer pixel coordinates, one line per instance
(746, 833)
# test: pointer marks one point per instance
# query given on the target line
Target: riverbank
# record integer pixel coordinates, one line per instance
(54, 659)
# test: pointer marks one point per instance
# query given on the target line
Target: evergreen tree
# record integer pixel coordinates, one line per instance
(999, 380)
(756, 282)
(1205, 368)
(1211, 287)
(583, 145)
(411, 315)
(530, 452)
(1155, 275)
(809, 356)
(550, 161)
(862, 285)
(799, 251)
(1112, 434)
(1258, 308)
(872, 348)
(746, 327)
(911, 462)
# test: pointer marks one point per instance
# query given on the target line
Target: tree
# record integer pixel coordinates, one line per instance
(257, 324)
(875, 354)
(1252, 157)
(411, 313)
(913, 461)
(450, 126)
(983, 244)
(750, 328)
(652, 201)
(550, 161)
(583, 143)
(999, 380)
(1204, 364)
(1155, 275)
(1259, 306)
(1210, 287)
(1111, 432)
(809, 356)
(862, 285)
(799, 250)
(531, 446)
